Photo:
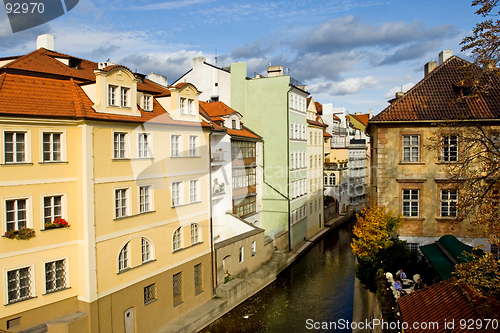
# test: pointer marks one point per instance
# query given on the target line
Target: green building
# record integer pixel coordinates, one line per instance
(275, 107)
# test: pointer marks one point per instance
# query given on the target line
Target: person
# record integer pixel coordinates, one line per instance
(419, 285)
(401, 274)
(399, 287)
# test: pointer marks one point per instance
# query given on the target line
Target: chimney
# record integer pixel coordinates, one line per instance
(274, 71)
(159, 79)
(399, 94)
(429, 67)
(46, 41)
(371, 113)
(198, 61)
(444, 55)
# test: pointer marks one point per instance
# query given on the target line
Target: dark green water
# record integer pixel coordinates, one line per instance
(319, 286)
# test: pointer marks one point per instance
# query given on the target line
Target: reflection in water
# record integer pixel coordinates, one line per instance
(318, 286)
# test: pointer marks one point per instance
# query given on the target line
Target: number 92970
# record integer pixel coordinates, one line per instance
(24, 7)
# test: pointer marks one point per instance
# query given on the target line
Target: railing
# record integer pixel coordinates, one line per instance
(218, 156)
(219, 189)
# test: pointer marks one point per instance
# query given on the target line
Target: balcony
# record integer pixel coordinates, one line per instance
(218, 157)
(218, 191)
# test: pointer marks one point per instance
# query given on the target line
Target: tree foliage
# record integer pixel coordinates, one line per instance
(373, 232)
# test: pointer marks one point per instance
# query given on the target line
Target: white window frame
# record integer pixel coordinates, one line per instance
(144, 151)
(448, 147)
(241, 255)
(124, 257)
(27, 146)
(63, 206)
(29, 219)
(411, 202)
(178, 151)
(32, 284)
(195, 233)
(127, 201)
(190, 106)
(177, 184)
(112, 95)
(125, 145)
(125, 97)
(66, 275)
(193, 150)
(447, 203)
(147, 103)
(411, 147)
(254, 248)
(62, 155)
(147, 244)
(150, 198)
(194, 190)
(177, 239)
(182, 105)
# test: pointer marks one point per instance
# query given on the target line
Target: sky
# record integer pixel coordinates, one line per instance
(352, 53)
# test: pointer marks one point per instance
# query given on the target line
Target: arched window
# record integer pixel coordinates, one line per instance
(195, 233)
(147, 250)
(332, 179)
(123, 261)
(325, 177)
(176, 239)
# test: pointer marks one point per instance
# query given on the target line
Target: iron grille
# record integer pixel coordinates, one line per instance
(177, 278)
(198, 279)
(55, 276)
(19, 284)
(149, 293)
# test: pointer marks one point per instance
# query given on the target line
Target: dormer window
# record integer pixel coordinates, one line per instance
(183, 106)
(148, 103)
(233, 124)
(190, 107)
(124, 97)
(112, 95)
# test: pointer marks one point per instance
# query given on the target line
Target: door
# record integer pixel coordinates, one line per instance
(129, 320)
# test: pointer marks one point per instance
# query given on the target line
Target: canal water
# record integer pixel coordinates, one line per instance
(318, 286)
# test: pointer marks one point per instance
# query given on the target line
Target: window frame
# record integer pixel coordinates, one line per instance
(147, 103)
(449, 146)
(178, 143)
(448, 203)
(241, 255)
(198, 278)
(144, 146)
(410, 201)
(195, 233)
(177, 243)
(62, 155)
(27, 146)
(177, 292)
(193, 150)
(63, 207)
(150, 253)
(66, 275)
(411, 147)
(127, 201)
(112, 95)
(194, 192)
(125, 145)
(124, 260)
(150, 197)
(29, 217)
(180, 193)
(150, 294)
(125, 97)
(32, 284)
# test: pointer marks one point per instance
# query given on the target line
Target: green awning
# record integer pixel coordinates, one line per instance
(438, 260)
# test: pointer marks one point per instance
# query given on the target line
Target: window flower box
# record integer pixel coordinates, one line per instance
(21, 234)
(58, 223)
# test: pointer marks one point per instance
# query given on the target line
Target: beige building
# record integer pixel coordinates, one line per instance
(411, 180)
(125, 163)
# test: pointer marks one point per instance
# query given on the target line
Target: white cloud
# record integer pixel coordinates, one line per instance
(346, 87)
(404, 88)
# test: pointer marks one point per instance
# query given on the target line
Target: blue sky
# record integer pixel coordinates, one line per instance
(354, 54)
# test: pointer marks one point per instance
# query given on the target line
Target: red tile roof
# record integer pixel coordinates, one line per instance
(319, 108)
(434, 98)
(362, 118)
(327, 135)
(316, 123)
(437, 303)
(336, 117)
(214, 109)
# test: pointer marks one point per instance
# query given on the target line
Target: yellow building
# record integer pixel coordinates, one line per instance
(411, 180)
(125, 163)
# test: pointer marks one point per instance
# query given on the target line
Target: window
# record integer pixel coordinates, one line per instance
(119, 145)
(412, 246)
(145, 198)
(123, 258)
(147, 103)
(449, 203)
(332, 179)
(495, 250)
(112, 95)
(52, 208)
(411, 148)
(240, 256)
(19, 284)
(124, 96)
(55, 276)
(193, 145)
(51, 147)
(198, 279)
(150, 293)
(146, 250)
(176, 194)
(177, 288)
(449, 151)
(144, 146)
(183, 105)
(245, 206)
(121, 202)
(190, 106)
(325, 179)
(410, 203)
(254, 248)
(233, 124)
(177, 239)
(15, 147)
(242, 149)
(194, 233)
(16, 214)
(175, 145)
(193, 191)
(244, 177)
(303, 137)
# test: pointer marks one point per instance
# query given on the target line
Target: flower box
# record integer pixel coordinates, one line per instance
(58, 223)
(21, 234)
